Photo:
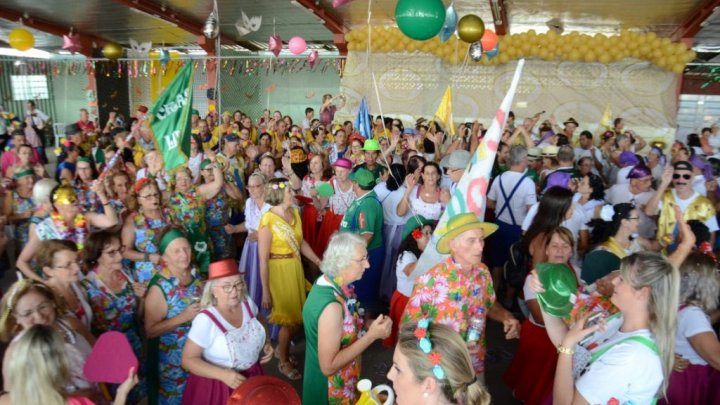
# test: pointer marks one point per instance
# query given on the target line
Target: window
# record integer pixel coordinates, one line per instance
(29, 87)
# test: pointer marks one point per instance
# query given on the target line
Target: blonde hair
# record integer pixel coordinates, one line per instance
(209, 299)
(646, 269)
(8, 324)
(699, 282)
(275, 196)
(460, 385)
(39, 370)
(49, 248)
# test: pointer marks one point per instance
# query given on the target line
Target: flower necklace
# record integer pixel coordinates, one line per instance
(79, 232)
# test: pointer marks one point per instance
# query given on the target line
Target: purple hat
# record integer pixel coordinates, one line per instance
(628, 158)
(558, 179)
(639, 171)
(344, 163)
(701, 164)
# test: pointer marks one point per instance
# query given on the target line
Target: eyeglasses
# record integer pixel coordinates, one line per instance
(228, 288)
(114, 252)
(149, 196)
(43, 309)
(684, 176)
(362, 259)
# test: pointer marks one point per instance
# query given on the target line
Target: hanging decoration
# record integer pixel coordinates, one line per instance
(489, 39)
(275, 44)
(471, 28)
(164, 57)
(450, 25)
(573, 46)
(297, 45)
(246, 25)
(338, 3)
(142, 47)
(493, 52)
(21, 39)
(476, 51)
(71, 42)
(112, 51)
(211, 28)
(420, 19)
(312, 59)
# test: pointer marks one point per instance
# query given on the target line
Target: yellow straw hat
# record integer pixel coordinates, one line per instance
(459, 224)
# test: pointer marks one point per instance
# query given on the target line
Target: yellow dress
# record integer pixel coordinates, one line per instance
(288, 286)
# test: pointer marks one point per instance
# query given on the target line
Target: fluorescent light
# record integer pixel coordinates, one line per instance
(31, 53)
(153, 16)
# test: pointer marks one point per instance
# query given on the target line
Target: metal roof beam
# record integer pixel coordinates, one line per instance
(498, 9)
(332, 23)
(693, 23)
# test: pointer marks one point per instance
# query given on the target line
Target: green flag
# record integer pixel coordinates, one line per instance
(171, 119)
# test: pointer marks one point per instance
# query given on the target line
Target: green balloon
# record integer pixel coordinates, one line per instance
(420, 19)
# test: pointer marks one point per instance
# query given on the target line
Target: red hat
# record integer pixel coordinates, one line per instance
(143, 109)
(223, 268)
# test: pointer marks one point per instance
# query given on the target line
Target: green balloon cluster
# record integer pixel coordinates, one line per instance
(420, 19)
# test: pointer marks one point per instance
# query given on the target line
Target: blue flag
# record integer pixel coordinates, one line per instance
(363, 122)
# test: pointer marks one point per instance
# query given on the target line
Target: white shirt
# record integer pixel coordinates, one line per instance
(711, 223)
(161, 180)
(698, 184)
(523, 198)
(622, 175)
(404, 283)
(628, 371)
(620, 193)
(714, 141)
(39, 118)
(389, 201)
(581, 153)
(691, 321)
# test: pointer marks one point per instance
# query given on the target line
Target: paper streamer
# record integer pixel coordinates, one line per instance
(470, 193)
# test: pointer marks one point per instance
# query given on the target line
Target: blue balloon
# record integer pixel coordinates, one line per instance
(450, 25)
(493, 52)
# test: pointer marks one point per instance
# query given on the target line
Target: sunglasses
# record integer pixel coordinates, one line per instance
(684, 176)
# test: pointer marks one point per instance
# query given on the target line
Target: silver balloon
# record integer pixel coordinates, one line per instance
(211, 28)
(476, 51)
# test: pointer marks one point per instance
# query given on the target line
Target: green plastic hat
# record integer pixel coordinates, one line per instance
(560, 288)
(413, 223)
(325, 190)
(371, 145)
(363, 177)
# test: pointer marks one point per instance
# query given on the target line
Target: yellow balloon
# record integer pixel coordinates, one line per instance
(21, 39)
(112, 51)
(604, 58)
(678, 68)
(470, 28)
(574, 55)
(502, 58)
(590, 56)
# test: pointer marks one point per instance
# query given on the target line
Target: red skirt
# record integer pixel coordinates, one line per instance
(532, 371)
(330, 225)
(398, 302)
(310, 227)
(208, 391)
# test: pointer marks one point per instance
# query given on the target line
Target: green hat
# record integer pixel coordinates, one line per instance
(371, 145)
(363, 177)
(459, 224)
(560, 286)
(413, 223)
(195, 112)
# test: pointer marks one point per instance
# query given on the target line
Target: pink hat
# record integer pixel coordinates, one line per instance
(222, 268)
(344, 163)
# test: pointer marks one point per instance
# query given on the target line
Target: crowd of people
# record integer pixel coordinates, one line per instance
(275, 230)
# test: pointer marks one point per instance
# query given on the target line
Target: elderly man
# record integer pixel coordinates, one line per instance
(454, 166)
(459, 292)
(364, 216)
(692, 205)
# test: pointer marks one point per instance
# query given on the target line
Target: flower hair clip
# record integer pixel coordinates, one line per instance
(607, 212)
(417, 234)
(424, 343)
(280, 186)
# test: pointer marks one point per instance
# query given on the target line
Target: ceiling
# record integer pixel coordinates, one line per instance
(114, 20)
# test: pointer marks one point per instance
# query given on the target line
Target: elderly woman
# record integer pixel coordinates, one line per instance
(254, 207)
(116, 300)
(66, 222)
(58, 260)
(187, 208)
(629, 357)
(280, 245)
(218, 211)
(338, 203)
(38, 373)
(28, 303)
(431, 364)
(333, 326)
(696, 375)
(459, 290)
(120, 187)
(171, 303)
(142, 228)
(225, 340)
(85, 176)
(18, 205)
(313, 212)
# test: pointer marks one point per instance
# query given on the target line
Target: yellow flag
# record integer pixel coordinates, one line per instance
(444, 112)
(606, 119)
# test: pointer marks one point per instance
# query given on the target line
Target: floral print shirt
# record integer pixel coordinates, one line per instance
(449, 295)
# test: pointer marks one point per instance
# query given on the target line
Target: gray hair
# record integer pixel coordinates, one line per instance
(259, 176)
(208, 299)
(699, 282)
(517, 154)
(340, 251)
(566, 154)
(41, 191)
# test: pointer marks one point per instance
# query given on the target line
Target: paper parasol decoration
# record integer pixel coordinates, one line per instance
(451, 21)
(141, 47)
(275, 44)
(313, 58)
(71, 42)
(164, 57)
